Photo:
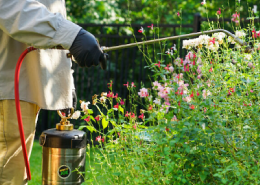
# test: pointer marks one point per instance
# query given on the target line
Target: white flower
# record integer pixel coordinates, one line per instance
(203, 126)
(150, 98)
(206, 93)
(246, 127)
(103, 99)
(76, 115)
(171, 69)
(247, 56)
(84, 106)
(188, 99)
(157, 101)
(240, 34)
(231, 40)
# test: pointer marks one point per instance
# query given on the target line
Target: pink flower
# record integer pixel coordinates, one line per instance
(192, 95)
(212, 41)
(156, 85)
(141, 30)
(87, 119)
(110, 84)
(174, 118)
(127, 114)
(127, 84)
(141, 116)
(171, 69)
(116, 96)
(211, 69)
(97, 118)
(134, 126)
(132, 115)
(159, 64)
(150, 107)
(254, 34)
(235, 18)
(178, 14)
(110, 94)
(150, 26)
(133, 84)
(122, 102)
(186, 68)
(143, 92)
(99, 139)
(251, 91)
(198, 93)
(219, 11)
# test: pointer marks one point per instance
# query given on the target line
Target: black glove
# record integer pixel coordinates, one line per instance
(86, 50)
(74, 103)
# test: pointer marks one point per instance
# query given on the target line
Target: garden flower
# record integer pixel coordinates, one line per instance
(169, 52)
(240, 34)
(187, 99)
(150, 98)
(115, 96)
(127, 84)
(150, 26)
(250, 64)
(210, 70)
(133, 84)
(141, 30)
(235, 18)
(116, 106)
(206, 93)
(203, 2)
(103, 99)
(167, 129)
(203, 126)
(110, 94)
(174, 47)
(150, 107)
(192, 107)
(178, 14)
(76, 115)
(174, 118)
(84, 105)
(255, 9)
(178, 61)
(99, 139)
(143, 92)
(171, 69)
(141, 116)
(186, 68)
(87, 119)
(122, 102)
(97, 118)
(127, 114)
(198, 93)
(132, 115)
(219, 11)
(157, 101)
(156, 85)
(110, 84)
(159, 64)
(134, 126)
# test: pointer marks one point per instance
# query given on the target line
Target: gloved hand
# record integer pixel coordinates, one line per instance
(74, 104)
(86, 50)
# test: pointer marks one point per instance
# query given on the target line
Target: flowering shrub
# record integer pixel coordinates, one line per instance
(198, 123)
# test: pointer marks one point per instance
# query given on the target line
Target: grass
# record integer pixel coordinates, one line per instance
(36, 167)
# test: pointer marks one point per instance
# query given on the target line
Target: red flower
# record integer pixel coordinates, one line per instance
(127, 84)
(210, 70)
(159, 64)
(192, 107)
(150, 26)
(167, 129)
(133, 115)
(187, 67)
(133, 84)
(116, 106)
(141, 30)
(254, 35)
(179, 103)
(141, 116)
(178, 14)
(198, 93)
(192, 95)
(167, 67)
(150, 107)
(232, 90)
(87, 119)
(122, 102)
(212, 41)
(110, 84)
(134, 126)
(97, 118)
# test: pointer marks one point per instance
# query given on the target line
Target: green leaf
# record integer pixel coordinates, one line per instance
(203, 175)
(104, 123)
(121, 109)
(90, 128)
(113, 123)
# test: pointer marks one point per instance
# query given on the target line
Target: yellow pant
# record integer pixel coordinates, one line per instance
(12, 167)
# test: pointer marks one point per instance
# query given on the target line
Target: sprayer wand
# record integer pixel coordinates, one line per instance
(105, 49)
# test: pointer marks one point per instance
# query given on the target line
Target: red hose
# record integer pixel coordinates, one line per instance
(18, 109)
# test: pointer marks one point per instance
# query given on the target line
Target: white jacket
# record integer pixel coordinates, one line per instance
(46, 75)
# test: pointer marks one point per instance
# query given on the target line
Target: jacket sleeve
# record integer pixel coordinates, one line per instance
(30, 22)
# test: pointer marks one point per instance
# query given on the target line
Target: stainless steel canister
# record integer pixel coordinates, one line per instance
(63, 157)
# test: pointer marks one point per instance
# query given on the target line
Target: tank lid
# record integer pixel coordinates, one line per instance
(63, 139)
